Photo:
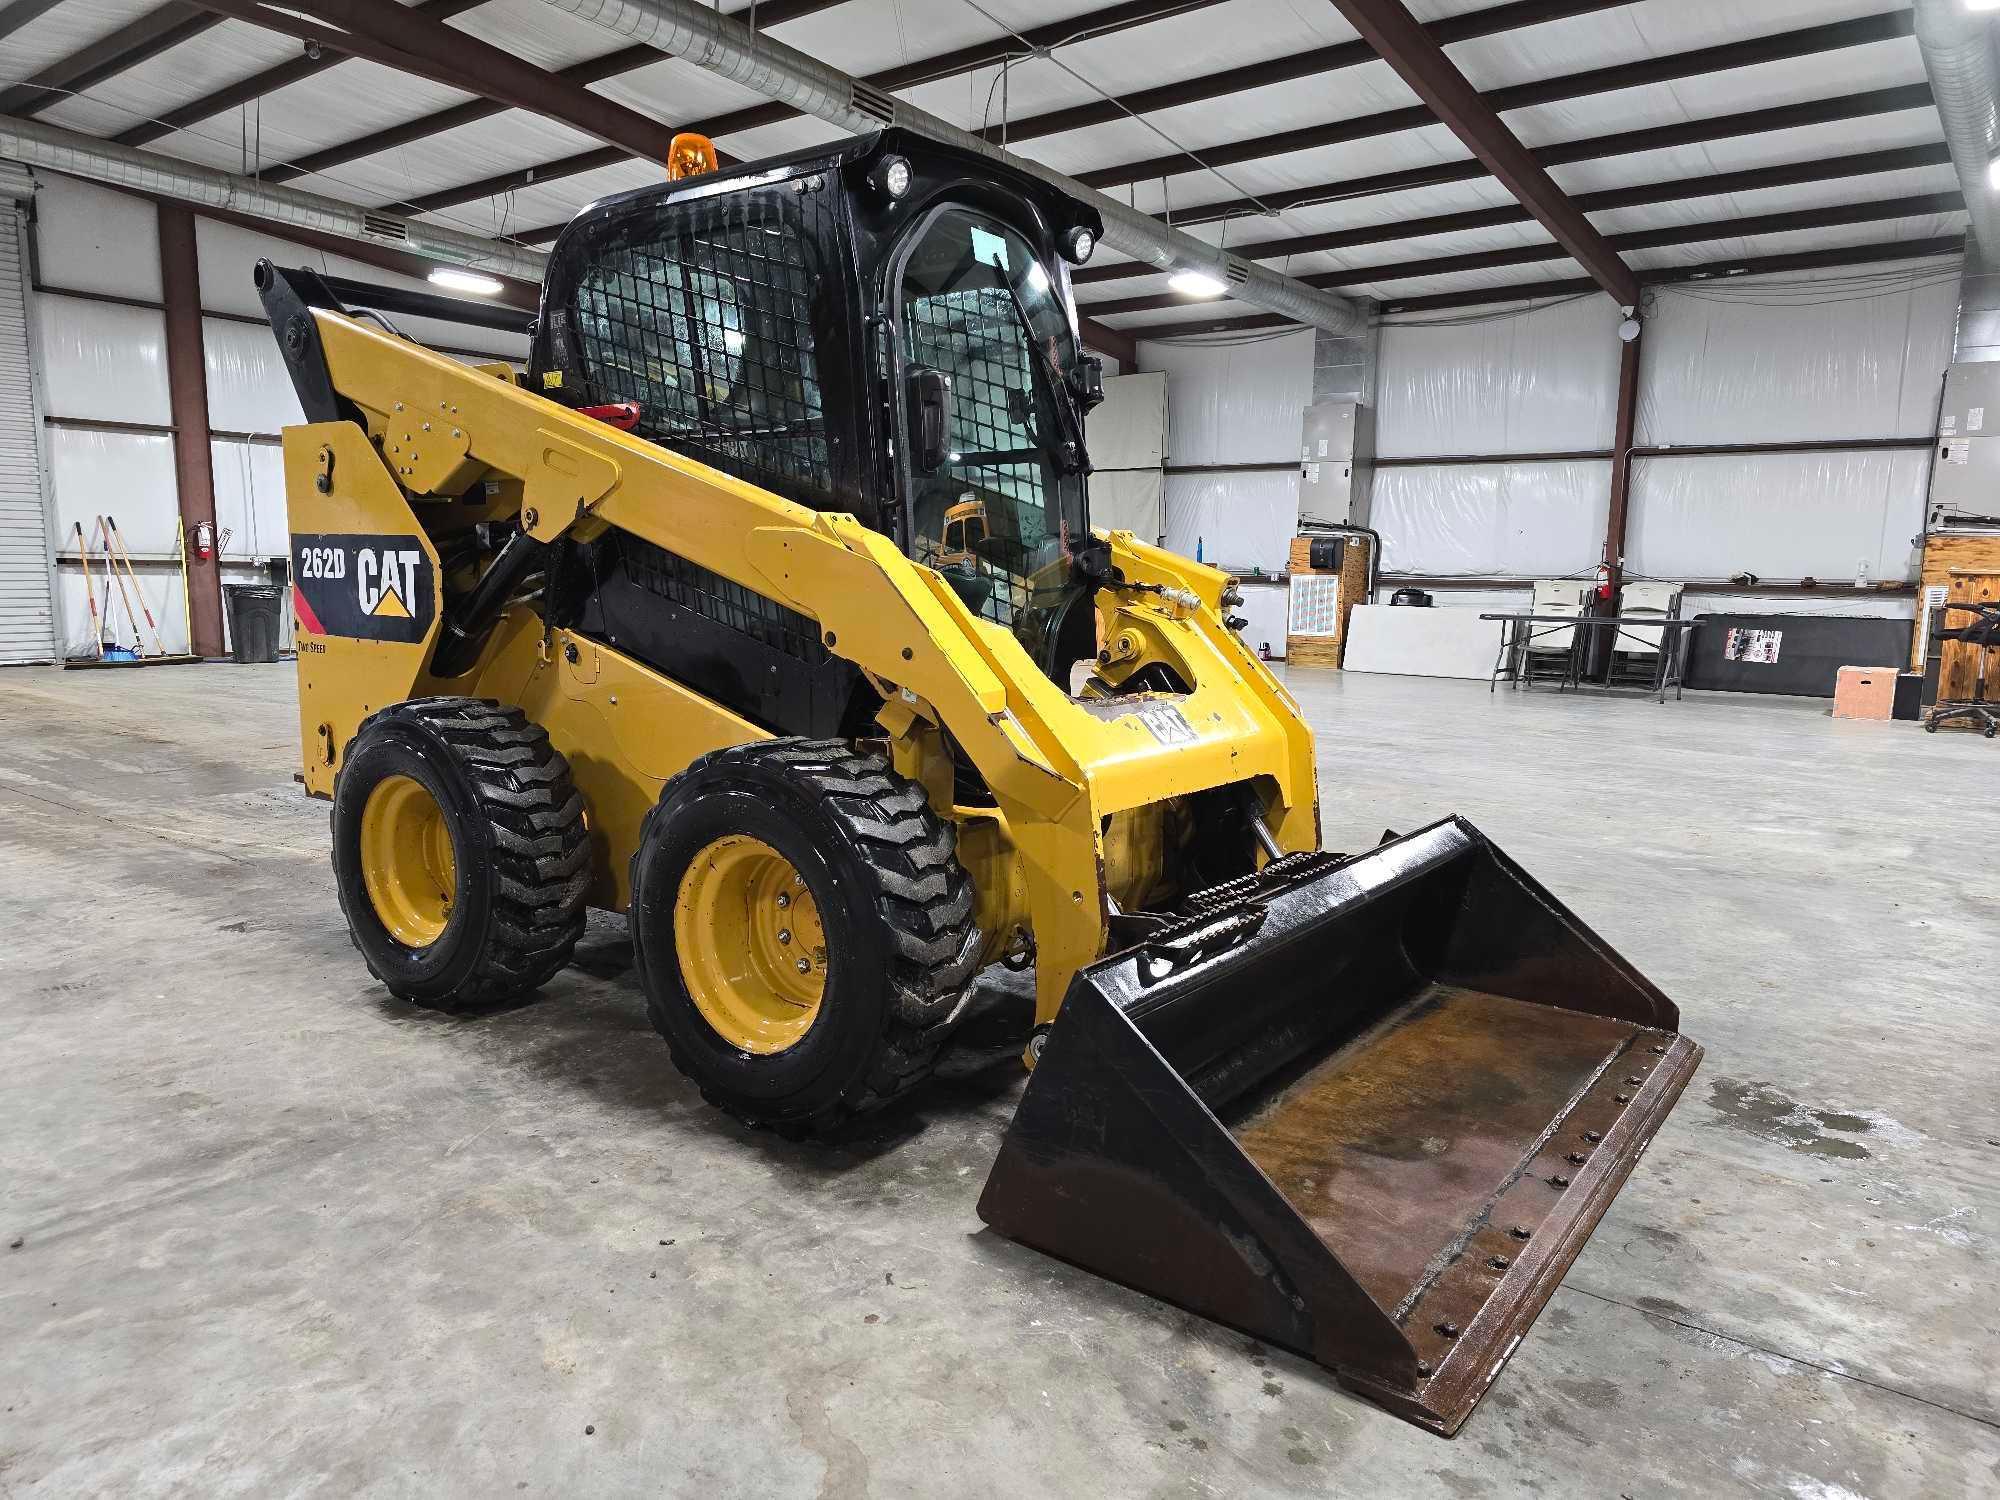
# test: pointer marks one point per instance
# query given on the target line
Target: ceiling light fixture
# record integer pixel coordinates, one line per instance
(465, 281)
(1197, 284)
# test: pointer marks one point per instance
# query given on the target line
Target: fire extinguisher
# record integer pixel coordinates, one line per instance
(204, 541)
(1604, 581)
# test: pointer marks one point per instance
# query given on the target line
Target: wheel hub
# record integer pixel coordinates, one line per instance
(751, 948)
(408, 865)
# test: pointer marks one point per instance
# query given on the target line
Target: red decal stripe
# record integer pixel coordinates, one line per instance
(308, 621)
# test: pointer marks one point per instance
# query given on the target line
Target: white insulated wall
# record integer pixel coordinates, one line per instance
(105, 363)
(1752, 361)
(1544, 381)
(1234, 404)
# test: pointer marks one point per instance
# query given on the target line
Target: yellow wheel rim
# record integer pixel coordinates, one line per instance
(407, 863)
(752, 951)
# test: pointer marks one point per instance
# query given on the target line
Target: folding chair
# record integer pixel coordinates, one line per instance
(1551, 649)
(1637, 647)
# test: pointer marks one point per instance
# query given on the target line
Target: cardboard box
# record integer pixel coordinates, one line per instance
(1864, 693)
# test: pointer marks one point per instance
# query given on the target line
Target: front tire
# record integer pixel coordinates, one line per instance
(803, 931)
(459, 852)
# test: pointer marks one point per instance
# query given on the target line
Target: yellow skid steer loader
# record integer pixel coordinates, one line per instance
(764, 608)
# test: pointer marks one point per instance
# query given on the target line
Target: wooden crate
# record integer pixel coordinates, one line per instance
(1328, 650)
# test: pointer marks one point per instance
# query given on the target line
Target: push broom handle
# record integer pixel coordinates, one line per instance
(125, 556)
(126, 598)
(89, 594)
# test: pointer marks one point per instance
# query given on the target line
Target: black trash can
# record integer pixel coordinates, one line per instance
(253, 621)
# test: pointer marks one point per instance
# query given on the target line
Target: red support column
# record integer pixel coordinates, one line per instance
(1621, 463)
(187, 396)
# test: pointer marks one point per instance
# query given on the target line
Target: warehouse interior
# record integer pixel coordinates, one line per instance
(1566, 417)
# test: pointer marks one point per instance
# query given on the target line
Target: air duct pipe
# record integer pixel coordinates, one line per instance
(687, 29)
(1958, 55)
(53, 149)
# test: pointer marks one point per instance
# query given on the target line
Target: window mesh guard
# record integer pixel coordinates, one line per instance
(707, 323)
(974, 336)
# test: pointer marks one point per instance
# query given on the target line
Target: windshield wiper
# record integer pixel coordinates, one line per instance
(1075, 460)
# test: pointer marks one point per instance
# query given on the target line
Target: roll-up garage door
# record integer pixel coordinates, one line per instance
(27, 620)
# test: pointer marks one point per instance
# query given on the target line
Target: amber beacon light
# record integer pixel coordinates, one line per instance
(690, 155)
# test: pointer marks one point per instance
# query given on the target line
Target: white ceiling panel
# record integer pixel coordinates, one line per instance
(1825, 75)
(221, 55)
(1797, 196)
(677, 93)
(55, 34)
(536, 33)
(1910, 127)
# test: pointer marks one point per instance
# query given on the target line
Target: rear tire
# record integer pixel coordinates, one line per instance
(893, 910)
(478, 808)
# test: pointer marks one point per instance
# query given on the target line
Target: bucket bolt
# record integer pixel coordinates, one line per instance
(1577, 1158)
(1449, 1330)
(1622, 1098)
(1499, 1262)
(1519, 1231)
(1558, 1180)
(1424, 1368)
(1593, 1135)
(1636, 1079)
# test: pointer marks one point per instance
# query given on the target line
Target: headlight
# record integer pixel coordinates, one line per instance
(891, 176)
(1077, 245)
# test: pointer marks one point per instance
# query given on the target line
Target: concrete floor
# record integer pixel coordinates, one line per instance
(280, 1234)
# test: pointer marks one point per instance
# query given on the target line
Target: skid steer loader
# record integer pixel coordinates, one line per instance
(764, 608)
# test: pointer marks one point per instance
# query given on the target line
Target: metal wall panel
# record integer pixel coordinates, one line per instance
(27, 625)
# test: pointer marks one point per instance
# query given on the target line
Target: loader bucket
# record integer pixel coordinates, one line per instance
(1366, 1109)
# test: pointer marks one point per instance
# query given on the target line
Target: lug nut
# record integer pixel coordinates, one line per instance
(804, 967)
(784, 934)
(784, 899)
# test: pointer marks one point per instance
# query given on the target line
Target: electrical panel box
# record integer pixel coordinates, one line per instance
(1965, 465)
(1336, 454)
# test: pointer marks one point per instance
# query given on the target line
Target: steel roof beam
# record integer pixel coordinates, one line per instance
(1583, 286)
(1313, 63)
(1783, 46)
(1620, 143)
(1750, 179)
(1643, 239)
(951, 64)
(591, 70)
(1421, 63)
(423, 45)
(269, 81)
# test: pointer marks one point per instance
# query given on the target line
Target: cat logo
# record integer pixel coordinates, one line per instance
(371, 588)
(386, 581)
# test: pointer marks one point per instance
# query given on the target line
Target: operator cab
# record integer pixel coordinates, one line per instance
(883, 327)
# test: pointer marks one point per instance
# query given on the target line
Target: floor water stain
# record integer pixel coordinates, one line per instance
(1764, 1110)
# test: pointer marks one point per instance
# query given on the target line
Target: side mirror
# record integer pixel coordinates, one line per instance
(1086, 381)
(929, 394)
